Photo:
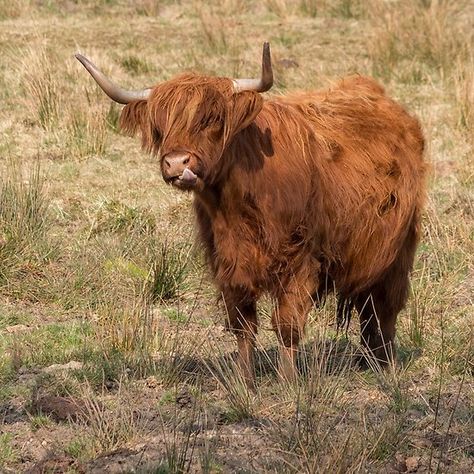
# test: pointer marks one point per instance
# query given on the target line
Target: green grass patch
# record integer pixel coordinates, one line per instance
(52, 344)
(8, 454)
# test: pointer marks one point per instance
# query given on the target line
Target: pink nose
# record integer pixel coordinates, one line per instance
(174, 163)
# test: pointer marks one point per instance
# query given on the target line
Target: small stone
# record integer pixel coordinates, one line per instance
(412, 463)
(16, 328)
(111, 384)
(151, 382)
(72, 365)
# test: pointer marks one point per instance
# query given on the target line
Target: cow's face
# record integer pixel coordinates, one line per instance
(190, 120)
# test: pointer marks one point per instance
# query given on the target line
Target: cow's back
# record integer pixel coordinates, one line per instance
(365, 156)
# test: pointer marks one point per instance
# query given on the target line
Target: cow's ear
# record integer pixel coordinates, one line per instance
(135, 118)
(245, 107)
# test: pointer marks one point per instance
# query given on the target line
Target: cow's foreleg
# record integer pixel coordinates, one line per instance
(289, 320)
(242, 321)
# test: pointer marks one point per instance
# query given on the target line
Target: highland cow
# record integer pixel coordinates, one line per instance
(294, 195)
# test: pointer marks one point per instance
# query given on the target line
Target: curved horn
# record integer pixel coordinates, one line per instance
(115, 92)
(265, 82)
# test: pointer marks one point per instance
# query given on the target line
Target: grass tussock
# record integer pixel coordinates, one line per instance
(126, 328)
(181, 441)
(114, 216)
(42, 89)
(8, 454)
(170, 266)
(85, 135)
(24, 222)
(281, 8)
(108, 426)
(315, 435)
(242, 403)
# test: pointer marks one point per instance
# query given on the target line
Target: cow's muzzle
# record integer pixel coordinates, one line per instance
(177, 169)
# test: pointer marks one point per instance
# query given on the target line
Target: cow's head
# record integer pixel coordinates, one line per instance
(189, 120)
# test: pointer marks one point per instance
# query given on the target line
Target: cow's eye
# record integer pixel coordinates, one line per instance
(215, 130)
(157, 135)
(210, 122)
(206, 122)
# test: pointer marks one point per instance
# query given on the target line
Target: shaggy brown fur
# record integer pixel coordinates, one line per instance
(298, 195)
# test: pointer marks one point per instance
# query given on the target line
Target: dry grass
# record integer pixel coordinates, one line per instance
(414, 39)
(97, 262)
(464, 97)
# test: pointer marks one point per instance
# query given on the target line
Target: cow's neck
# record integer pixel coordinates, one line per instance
(210, 197)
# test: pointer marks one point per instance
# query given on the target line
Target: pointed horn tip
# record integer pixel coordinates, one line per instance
(81, 58)
(267, 70)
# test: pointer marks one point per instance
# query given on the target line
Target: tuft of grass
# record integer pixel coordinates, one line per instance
(180, 441)
(175, 315)
(42, 88)
(113, 216)
(126, 328)
(86, 134)
(109, 427)
(79, 448)
(347, 8)
(169, 270)
(421, 301)
(176, 358)
(226, 372)
(8, 454)
(310, 8)
(39, 421)
(280, 8)
(24, 221)
(12, 317)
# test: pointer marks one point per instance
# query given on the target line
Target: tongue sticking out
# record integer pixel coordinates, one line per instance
(188, 177)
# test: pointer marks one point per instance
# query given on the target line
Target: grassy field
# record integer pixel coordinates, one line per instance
(113, 356)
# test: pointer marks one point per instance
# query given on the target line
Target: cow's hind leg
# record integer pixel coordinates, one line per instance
(377, 325)
(379, 306)
(242, 321)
